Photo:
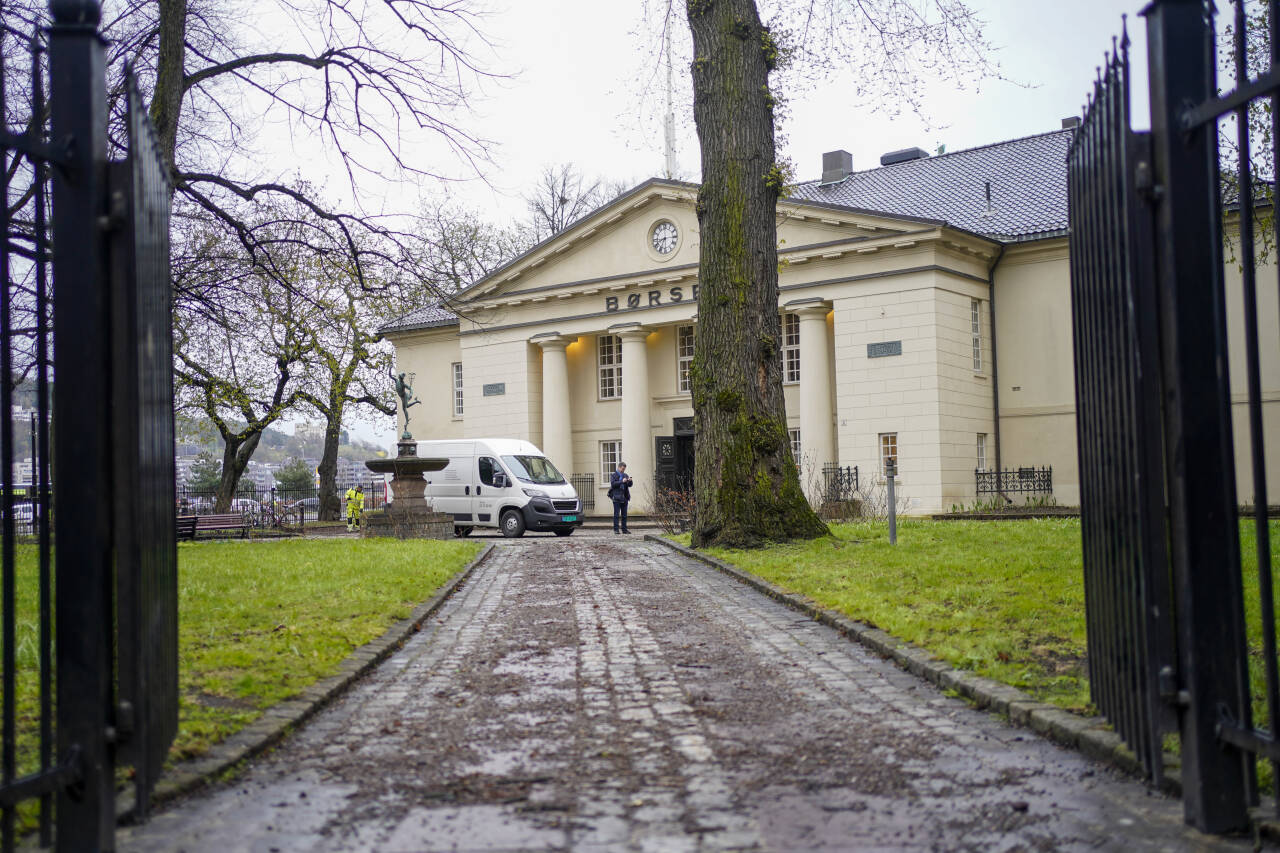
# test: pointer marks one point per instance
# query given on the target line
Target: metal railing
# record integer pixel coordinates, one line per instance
(275, 506)
(585, 486)
(839, 483)
(1028, 480)
(1220, 743)
(85, 291)
(1118, 442)
(1151, 218)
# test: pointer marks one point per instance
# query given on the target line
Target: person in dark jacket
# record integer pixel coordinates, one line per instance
(620, 491)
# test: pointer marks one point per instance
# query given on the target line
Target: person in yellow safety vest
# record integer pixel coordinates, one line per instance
(355, 506)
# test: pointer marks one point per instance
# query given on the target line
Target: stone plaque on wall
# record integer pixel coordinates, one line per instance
(884, 348)
(495, 389)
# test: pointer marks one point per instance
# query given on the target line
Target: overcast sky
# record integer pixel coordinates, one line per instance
(572, 97)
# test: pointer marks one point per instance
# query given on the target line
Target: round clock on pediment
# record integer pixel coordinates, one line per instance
(664, 237)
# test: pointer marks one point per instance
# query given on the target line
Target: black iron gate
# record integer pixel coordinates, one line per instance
(1117, 406)
(1150, 217)
(85, 311)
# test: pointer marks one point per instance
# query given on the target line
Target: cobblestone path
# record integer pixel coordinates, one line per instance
(602, 695)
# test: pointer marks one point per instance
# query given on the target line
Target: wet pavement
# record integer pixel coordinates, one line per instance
(606, 694)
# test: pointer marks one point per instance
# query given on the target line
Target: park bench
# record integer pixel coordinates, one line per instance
(186, 527)
(224, 521)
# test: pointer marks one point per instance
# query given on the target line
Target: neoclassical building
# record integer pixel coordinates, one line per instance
(925, 309)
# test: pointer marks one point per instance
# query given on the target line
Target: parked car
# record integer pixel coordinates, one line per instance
(246, 506)
(195, 506)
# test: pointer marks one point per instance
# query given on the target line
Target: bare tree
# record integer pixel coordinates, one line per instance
(561, 196)
(460, 247)
(238, 358)
(381, 88)
(345, 366)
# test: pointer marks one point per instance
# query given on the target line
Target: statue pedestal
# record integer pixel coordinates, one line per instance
(409, 515)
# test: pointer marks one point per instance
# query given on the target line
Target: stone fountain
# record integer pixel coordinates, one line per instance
(409, 515)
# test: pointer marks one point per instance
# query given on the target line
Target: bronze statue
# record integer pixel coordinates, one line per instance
(405, 392)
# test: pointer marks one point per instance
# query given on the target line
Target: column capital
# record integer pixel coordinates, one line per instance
(808, 308)
(630, 331)
(551, 341)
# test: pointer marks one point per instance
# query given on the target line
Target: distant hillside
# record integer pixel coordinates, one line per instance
(197, 435)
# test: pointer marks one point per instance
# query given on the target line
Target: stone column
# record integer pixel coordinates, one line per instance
(557, 429)
(637, 441)
(817, 441)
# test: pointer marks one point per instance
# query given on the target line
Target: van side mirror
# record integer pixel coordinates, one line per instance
(500, 481)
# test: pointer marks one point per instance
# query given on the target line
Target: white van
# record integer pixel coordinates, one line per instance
(500, 482)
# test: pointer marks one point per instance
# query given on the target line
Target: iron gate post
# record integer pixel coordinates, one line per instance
(1200, 466)
(82, 521)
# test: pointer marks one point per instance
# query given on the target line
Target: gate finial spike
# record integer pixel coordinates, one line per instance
(1124, 33)
(76, 12)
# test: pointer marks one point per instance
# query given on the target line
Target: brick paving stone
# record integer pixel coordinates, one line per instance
(607, 694)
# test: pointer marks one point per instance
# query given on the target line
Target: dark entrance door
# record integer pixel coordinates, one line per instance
(683, 429)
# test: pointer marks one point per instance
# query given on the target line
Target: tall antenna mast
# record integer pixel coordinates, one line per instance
(669, 123)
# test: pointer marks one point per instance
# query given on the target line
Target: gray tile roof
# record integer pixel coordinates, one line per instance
(426, 317)
(1028, 188)
(1028, 199)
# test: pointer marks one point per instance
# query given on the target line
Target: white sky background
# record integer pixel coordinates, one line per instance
(572, 97)
(575, 100)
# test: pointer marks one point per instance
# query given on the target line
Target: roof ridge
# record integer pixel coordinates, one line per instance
(947, 154)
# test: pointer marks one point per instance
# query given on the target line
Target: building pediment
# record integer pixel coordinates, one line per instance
(648, 239)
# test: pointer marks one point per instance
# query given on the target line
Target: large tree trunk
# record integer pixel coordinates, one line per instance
(330, 504)
(746, 487)
(171, 52)
(236, 453)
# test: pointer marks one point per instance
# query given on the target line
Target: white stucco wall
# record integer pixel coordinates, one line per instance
(1036, 367)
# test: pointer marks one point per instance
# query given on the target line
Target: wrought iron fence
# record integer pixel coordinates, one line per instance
(275, 506)
(839, 483)
(29, 765)
(585, 486)
(1156, 403)
(84, 297)
(1118, 440)
(1219, 737)
(1014, 480)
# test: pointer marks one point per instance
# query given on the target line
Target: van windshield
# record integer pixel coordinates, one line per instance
(534, 469)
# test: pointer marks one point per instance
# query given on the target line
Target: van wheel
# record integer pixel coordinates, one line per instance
(512, 524)
(565, 532)
(462, 531)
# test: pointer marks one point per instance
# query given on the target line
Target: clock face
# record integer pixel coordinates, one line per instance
(663, 237)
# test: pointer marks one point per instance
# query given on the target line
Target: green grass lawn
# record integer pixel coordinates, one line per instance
(1004, 599)
(260, 621)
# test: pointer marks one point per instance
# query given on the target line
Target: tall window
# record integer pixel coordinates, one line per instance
(888, 450)
(684, 357)
(975, 327)
(790, 348)
(609, 348)
(794, 435)
(457, 389)
(610, 456)
(982, 451)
